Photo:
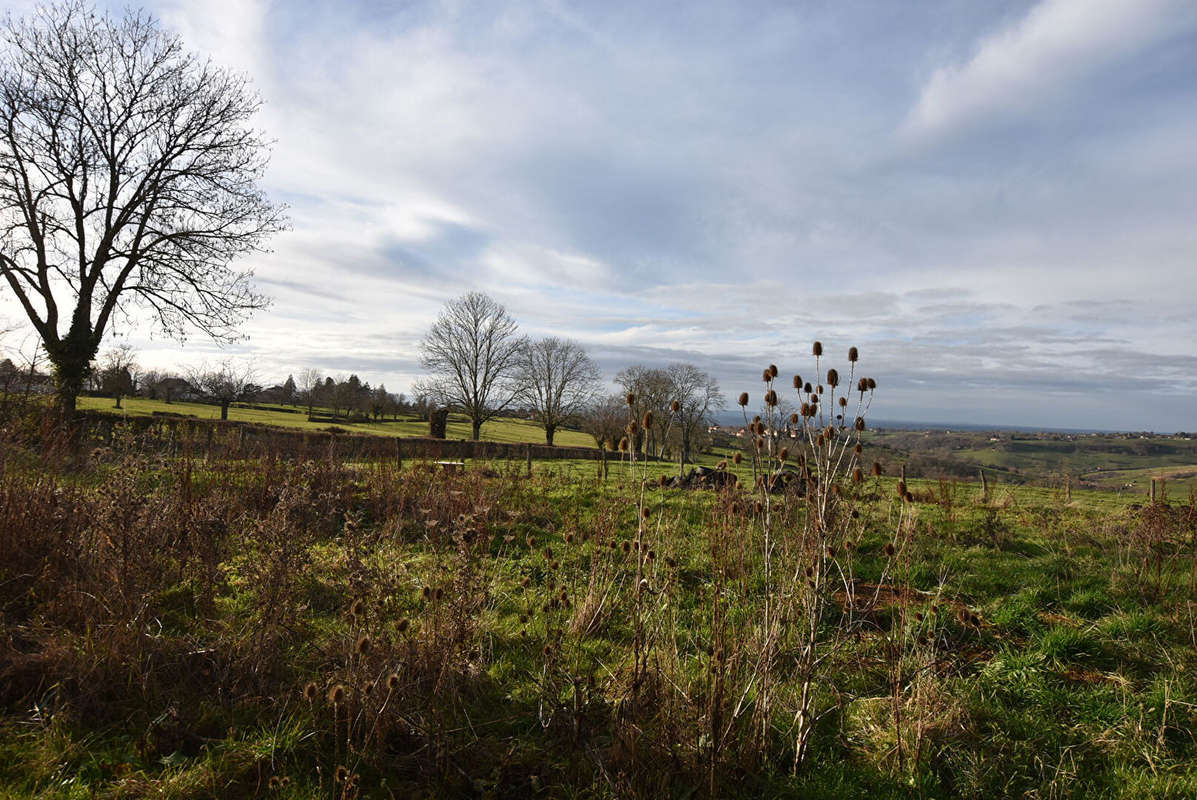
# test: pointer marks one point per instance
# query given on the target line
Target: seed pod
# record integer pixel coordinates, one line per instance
(843, 402)
(675, 406)
(901, 488)
(860, 423)
(784, 454)
(857, 475)
(648, 420)
(872, 384)
(793, 419)
(402, 625)
(310, 691)
(737, 458)
(819, 389)
(806, 387)
(862, 385)
(766, 375)
(908, 497)
(336, 695)
(770, 398)
(858, 449)
(833, 378)
(817, 349)
(743, 398)
(798, 382)
(819, 440)
(889, 549)
(806, 409)
(877, 468)
(853, 355)
(623, 444)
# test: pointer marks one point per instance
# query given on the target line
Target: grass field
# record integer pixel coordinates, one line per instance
(244, 629)
(498, 430)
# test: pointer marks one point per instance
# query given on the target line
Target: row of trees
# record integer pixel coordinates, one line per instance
(480, 365)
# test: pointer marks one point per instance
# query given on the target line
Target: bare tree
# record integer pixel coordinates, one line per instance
(128, 180)
(471, 352)
(557, 380)
(117, 373)
(225, 383)
(605, 421)
(697, 395)
(653, 390)
(310, 381)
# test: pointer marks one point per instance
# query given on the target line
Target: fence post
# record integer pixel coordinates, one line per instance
(528, 451)
(399, 452)
(1153, 491)
(984, 487)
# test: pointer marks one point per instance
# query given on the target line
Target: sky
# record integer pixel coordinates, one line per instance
(995, 202)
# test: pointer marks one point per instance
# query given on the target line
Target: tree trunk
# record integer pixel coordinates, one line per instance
(118, 400)
(70, 372)
(224, 409)
(477, 429)
(549, 430)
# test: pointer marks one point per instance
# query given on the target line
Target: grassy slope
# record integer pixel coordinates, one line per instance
(499, 430)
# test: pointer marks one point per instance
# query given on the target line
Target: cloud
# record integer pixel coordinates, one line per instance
(1056, 44)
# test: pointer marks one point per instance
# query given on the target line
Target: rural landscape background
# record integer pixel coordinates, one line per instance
(578, 400)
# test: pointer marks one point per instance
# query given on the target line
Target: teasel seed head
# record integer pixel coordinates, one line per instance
(648, 420)
(877, 468)
(341, 775)
(626, 546)
(633, 428)
(857, 475)
(901, 488)
(819, 389)
(843, 402)
(760, 443)
(403, 624)
(759, 506)
(644, 512)
(737, 458)
(806, 387)
(784, 455)
(794, 419)
(862, 385)
(817, 348)
(908, 497)
(860, 423)
(833, 378)
(310, 691)
(393, 681)
(675, 406)
(662, 480)
(805, 410)
(336, 695)
(438, 594)
(770, 398)
(853, 355)
(363, 645)
(858, 449)
(872, 384)
(889, 549)
(721, 465)
(743, 398)
(623, 444)
(819, 440)
(766, 375)
(631, 399)
(798, 382)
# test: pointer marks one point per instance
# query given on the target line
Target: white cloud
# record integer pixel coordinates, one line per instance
(1055, 44)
